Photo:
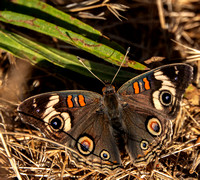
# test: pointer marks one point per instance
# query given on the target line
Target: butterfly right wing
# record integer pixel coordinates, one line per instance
(151, 102)
(74, 119)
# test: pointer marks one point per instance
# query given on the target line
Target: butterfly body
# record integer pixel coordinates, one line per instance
(99, 129)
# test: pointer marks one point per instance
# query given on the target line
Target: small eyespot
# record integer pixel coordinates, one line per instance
(165, 98)
(105, 155)
(144, 145)
(154, 126)
(85, 145)
(56, 123)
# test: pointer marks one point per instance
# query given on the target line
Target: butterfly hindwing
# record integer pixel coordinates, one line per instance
(146, 133)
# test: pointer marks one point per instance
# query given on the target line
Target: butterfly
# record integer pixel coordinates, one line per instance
(99, 130)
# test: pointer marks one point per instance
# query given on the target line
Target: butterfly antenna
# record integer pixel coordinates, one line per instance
(120, 65)
(80, 60)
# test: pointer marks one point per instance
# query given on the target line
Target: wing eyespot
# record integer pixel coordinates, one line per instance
(56, 123)
(165, 98)
(85, 145)
(153, 126)
(144, 145)
(105, 155)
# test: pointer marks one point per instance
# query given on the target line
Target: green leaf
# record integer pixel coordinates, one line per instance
(43, 18)
(37, 53)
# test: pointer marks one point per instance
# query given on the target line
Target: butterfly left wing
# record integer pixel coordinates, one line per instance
(150, 101)
(71, 118)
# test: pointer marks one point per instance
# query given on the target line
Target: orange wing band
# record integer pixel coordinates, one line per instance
(69, 101)
(146, 84)
(81, 100)
(136, 87)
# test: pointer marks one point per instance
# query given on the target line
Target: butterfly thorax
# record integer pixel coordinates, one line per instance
(112, 109)
(111, 102)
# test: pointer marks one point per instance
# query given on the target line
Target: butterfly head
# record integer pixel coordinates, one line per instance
(108, 89)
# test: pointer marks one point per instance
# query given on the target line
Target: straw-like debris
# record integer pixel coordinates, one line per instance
(26, 154)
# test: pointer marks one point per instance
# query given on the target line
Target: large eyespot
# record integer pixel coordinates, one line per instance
(165, 98)
(85, 145)
(144, 145)
(154, 127)
(105, 155)
(56, 123)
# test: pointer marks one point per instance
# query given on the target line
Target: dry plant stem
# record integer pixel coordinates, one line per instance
(161, 14)
(52, 164)
(111, 7)
(191, 117)
(162, 175)
(196, 162)
(121, 175)
(88, 174)
(90, 2)
(87, 8)
(91, 16)
(175, 152)
(198, 73)
(22, 155)
(36, 137)
(12, 160)
(195, 54)
(63, 169)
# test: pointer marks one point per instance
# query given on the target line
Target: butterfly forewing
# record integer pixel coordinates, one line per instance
(160, 89)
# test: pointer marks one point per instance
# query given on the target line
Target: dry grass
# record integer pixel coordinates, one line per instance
(27, 155)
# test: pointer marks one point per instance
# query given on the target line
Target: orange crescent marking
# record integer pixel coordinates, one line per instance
(136, 87)
(69, 101)
(81, 100)
(146, 84)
